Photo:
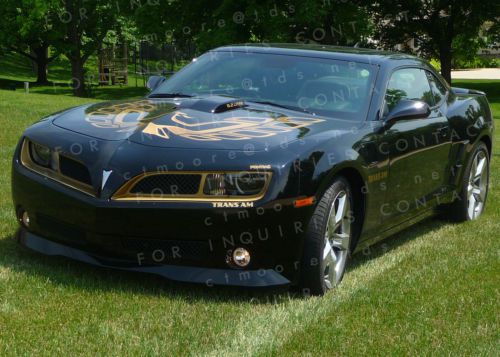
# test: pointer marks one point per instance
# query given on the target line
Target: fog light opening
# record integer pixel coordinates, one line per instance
(241, 257)
(24, 217)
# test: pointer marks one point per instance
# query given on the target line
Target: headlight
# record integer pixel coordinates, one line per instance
(40, 154)
(235, 184)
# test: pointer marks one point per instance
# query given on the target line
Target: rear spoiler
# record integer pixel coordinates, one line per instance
(466, 91)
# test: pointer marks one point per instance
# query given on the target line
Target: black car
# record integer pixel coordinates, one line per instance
(255, 166)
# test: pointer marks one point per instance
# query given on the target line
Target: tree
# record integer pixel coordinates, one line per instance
(207, 23)
(221, 22)
(26, 28)
(83, 24)
(329, 22)
(430, 27)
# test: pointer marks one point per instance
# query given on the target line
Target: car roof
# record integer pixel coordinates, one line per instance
(363, 55)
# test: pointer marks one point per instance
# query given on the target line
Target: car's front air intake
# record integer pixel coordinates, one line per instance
(74, 169)
(168, 184)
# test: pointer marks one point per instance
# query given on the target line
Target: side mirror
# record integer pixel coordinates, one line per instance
(408, 109)
(154, 81)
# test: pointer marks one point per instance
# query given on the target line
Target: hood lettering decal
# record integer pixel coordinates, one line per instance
(123, 116)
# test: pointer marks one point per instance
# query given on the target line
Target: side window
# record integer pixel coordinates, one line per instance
(438, 89)
(407, 83)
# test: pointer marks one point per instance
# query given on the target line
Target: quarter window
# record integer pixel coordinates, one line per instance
(407, 83)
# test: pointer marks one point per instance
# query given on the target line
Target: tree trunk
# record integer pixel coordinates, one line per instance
(42, 64)
(74, 54)
(78, 76)
(40, 60)
(41, 73)
(445, 52)
(445, 59)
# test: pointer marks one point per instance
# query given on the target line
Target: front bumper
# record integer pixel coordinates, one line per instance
(207, 276)
(133, 235)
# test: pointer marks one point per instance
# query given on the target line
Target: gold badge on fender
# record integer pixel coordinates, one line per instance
(378, 176)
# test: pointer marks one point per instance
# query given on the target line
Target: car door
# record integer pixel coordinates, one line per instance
(418, 148)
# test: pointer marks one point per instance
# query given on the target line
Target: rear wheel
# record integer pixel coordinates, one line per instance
(328, 240)
(474, 189)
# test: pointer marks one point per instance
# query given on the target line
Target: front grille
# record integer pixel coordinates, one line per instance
(74, 169)
(175, 249)
(168, 184)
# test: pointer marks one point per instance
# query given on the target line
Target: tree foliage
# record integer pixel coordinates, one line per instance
(221, 22)
(27, 28)
(430, 27)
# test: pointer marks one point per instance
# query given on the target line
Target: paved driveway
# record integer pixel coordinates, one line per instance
(480, 73)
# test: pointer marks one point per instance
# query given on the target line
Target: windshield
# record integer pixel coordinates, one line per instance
(326, 87)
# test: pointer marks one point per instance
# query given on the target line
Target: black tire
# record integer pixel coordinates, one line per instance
(458, 210)
(313, 265)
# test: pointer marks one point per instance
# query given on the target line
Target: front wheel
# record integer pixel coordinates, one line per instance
(328, 240)
(469, 204)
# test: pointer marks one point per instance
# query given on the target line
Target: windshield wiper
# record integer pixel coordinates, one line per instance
(170, 95)
(289, 107)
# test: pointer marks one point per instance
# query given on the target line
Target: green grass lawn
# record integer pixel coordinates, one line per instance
(16, 69)
(432, 289)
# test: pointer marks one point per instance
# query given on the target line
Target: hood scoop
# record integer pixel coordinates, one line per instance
(214, 104)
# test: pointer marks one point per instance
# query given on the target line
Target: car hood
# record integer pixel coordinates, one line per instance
(198, 123)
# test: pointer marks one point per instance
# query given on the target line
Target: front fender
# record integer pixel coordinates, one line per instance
(470, 121)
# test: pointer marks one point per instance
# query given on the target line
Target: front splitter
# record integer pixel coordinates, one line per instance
(207, 276)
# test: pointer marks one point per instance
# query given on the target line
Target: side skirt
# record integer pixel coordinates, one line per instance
(393, 230)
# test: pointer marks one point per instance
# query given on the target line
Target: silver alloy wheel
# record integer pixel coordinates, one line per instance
(337, 239)
(478, 185)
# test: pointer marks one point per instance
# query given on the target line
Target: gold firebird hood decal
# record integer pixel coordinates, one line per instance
(232, 128)
(128, 116)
